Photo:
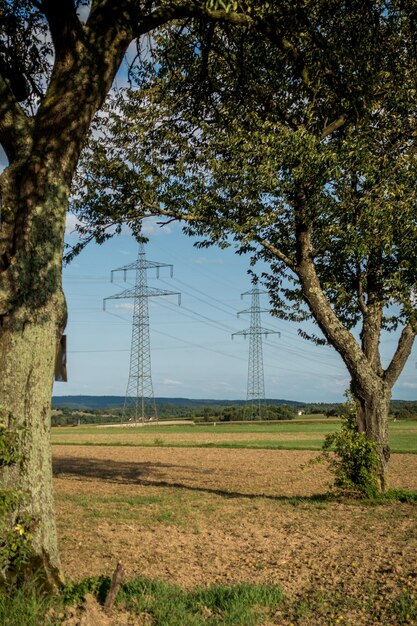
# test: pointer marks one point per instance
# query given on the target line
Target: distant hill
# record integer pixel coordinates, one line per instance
(108, 402)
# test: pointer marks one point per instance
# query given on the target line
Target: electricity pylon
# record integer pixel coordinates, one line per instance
(140, 401)
(256, 386)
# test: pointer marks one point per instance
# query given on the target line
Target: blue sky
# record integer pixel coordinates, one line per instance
(192, 352)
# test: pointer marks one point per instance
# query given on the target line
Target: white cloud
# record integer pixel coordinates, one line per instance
(152, 226)
(71, 223)
(408, 384)
(171, 382)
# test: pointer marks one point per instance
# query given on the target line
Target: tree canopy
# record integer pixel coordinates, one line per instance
(229, 134)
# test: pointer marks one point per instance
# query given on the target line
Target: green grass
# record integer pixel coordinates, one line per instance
(25, 607)
(168, 605)
(267, 444)
(162, 604)
(220, 428)
(262, 444)
(403, 435)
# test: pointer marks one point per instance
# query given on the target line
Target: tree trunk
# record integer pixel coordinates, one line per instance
(27, 360)
(372, 420)
(32, 319)
(371, 385)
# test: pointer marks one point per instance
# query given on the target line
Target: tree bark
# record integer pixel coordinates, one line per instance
(373, 402)
(32, 319)
(27, 359)
(34, 193)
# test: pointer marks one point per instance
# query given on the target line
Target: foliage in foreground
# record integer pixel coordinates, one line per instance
(169, 605)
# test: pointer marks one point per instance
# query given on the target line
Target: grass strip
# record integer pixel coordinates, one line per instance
(163, 604)
(313, 445)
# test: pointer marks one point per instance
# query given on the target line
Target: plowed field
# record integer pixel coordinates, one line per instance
(197, 516)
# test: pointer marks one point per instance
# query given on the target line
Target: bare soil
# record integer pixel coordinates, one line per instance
(195, 517)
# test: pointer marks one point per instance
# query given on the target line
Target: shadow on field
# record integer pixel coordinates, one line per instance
(145, 473)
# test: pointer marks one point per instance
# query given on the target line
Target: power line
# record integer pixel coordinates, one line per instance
(290, 349)
(222, 353)
(218, 326)
(331, 360)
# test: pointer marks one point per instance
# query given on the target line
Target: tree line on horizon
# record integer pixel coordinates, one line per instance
(73, 416)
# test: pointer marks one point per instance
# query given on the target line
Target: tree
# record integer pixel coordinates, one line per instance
(56, 68)
(298, 147)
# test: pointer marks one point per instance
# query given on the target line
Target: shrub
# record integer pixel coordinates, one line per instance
(352, 457)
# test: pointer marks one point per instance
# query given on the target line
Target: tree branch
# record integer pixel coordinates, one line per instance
(372, 318)
(178, 10)
(276, 252)
(330, 128)
(370, 335)
(275, 36)
(15, 126)
(401, 355)
(359, 289)
(64, 24)
(231, 17)
(166, 13)
(334, 331)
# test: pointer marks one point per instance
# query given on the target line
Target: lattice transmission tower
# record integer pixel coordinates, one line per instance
(140, 401)
(256, 386)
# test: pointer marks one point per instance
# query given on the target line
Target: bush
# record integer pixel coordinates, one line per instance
(352, 457)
